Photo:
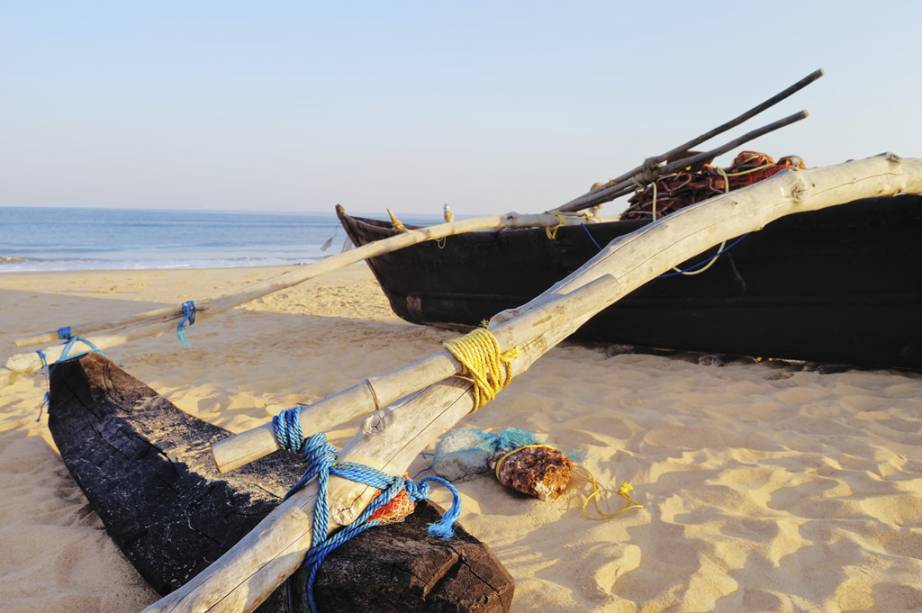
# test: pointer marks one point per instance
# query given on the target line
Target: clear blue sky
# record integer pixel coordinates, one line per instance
(488, 106)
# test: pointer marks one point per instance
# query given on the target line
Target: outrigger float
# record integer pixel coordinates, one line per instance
(209, 519)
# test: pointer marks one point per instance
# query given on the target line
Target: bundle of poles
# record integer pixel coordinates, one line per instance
(113, 332)
(408, 409)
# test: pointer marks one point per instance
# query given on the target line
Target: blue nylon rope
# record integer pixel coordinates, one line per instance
(287, 428)
(71, 341)
(46, 399)
(187, 321)
(322, 463)
(64, 333)
(585, 228)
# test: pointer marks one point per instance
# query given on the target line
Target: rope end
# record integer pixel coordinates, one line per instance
(187, 321)
(442, 529)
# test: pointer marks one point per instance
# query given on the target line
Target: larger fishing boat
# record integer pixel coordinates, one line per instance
(838, 285)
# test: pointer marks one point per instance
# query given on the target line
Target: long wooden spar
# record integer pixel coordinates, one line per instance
(618, 187)
(391, 438)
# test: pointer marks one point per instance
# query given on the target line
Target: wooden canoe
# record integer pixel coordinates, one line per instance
(147, 470)
(841, 285)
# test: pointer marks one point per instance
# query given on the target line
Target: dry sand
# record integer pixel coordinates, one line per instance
(765, 490)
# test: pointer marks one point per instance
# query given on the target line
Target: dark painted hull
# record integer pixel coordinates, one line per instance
(840, 285)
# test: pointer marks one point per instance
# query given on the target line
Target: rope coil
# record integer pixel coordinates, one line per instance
(485, 363)
(323, 463)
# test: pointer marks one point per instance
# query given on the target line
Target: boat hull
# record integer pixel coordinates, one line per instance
(146, 468)
(840, 285)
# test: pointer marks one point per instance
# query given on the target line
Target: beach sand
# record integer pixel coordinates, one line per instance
(763, 489)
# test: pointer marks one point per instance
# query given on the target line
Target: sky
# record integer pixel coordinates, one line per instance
(488, 106)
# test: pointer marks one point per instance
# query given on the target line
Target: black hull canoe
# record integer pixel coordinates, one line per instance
(146, 469)
(841, 285)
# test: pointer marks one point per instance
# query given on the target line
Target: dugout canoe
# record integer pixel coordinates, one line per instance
(147, 470)
(840, 285)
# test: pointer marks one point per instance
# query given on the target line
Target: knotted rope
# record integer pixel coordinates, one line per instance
(321, 457)
(485, 364)
(187, 321)
(69, 342)
(551, 231)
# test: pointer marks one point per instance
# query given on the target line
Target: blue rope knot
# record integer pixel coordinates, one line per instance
(69, 343)
(287, 428)
(322, 459)
(64, 333)
(187, 321)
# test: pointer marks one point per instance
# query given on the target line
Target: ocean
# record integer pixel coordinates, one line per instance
(46, 239)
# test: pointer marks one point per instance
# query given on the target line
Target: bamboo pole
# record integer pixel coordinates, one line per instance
(310, 271)
(244, 576)
(676, 152)
(28, 361)
(617, 187)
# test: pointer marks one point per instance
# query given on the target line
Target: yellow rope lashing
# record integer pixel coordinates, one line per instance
(551, 231)
(485, 364)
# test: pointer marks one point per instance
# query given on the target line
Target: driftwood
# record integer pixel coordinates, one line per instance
(247, 574)
(145, 468)
(618, 187)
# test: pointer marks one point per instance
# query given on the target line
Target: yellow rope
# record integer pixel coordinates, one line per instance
(551, 231)
(595, 495)
(485, 364)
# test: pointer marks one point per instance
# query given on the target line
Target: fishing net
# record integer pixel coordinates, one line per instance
(697, 183)
(463, 453)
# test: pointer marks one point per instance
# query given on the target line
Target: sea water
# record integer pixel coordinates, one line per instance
(40, 238)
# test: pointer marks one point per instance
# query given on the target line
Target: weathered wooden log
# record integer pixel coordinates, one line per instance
(145, 467)
(250, 571)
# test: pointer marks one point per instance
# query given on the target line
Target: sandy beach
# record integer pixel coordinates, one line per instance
(764, 489)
